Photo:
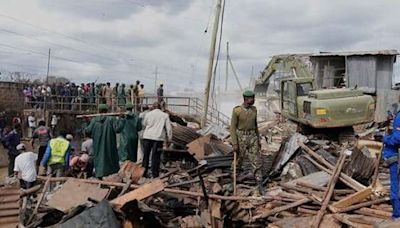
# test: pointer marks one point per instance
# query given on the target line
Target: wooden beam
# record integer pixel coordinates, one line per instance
(329, 191)
(352, 185)
(353, 198)
(282, 208)
(100, 114)
(140, 193)
(360, 205)
(168, 190)
(374, 213)
(343, 177)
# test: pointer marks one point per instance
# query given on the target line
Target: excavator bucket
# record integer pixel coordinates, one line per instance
(261, 89)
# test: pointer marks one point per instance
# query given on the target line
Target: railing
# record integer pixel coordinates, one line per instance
(186, 105)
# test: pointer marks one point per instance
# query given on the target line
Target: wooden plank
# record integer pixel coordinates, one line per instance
(279, 209)
(329, 191)
(353, 198)
(302, 222)
(343, 177)
(345, 220)
(320, 178)
(169, 190)
(318, 188)
(75, 193)
(142, 192)
(374, 213)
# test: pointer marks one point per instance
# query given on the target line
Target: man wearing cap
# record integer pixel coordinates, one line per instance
(103, 130)
(245, 137)
(25, 167)
(128, 144)
(57, 155)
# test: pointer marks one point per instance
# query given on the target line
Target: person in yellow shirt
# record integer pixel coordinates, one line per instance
(57, 155)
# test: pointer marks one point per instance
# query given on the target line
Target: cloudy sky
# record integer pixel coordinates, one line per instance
(124, 40)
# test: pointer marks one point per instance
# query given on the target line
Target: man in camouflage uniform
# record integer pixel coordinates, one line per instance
(245, 137)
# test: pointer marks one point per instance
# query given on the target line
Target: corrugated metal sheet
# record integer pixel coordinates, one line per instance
(353, 53)
(362, 72)
(9, 206)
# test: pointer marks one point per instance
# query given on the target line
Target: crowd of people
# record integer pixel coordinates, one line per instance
(90, 93)
(98, 156)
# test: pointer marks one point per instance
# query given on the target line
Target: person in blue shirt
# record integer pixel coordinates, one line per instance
(390, 155)
(10, 141)
(57, 156)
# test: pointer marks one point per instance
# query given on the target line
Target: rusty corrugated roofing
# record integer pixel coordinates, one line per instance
(9, 206)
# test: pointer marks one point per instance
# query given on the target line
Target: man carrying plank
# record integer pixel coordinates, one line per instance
(103, 130)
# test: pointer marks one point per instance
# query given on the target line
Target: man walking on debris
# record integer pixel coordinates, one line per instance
(10, 141)
(57, 155)
(25, 167)
(157, 130)
(390, 156)
(103, 130)
(128, 143)
(42, 133)
(245, 137)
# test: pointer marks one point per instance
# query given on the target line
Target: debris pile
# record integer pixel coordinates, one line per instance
(310, 181)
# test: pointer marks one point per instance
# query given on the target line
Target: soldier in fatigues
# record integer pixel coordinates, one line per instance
(245, 137)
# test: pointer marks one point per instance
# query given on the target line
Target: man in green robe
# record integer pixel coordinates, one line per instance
(103, 130)
(128, 144)
(121, 95)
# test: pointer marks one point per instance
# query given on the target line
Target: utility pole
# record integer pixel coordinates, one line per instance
(227, 67)
(155, 79)
(47, 84)
(251, 77)
(211, 63)
(48, 68)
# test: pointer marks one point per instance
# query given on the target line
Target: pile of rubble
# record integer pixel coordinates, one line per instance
(310, 181)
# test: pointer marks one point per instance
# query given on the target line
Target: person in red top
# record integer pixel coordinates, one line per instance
(43, 134)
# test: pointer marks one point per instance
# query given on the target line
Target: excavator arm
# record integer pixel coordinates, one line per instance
(288, 64)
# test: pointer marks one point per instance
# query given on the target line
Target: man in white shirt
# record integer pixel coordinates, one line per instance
(32, 122)
(157, 130)
(25, 167)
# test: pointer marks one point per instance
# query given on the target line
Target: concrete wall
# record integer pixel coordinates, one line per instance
(11, 96)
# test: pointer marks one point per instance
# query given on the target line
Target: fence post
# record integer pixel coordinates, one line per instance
(189, 105)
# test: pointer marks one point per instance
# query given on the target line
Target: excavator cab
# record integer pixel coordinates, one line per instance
(291, 89)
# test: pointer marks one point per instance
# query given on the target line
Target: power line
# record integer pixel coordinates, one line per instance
(78, 40)
(52, 43)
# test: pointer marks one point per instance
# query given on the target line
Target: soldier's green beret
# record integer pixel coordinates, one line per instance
(248, 93)
(129, 106)
(103, 107)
